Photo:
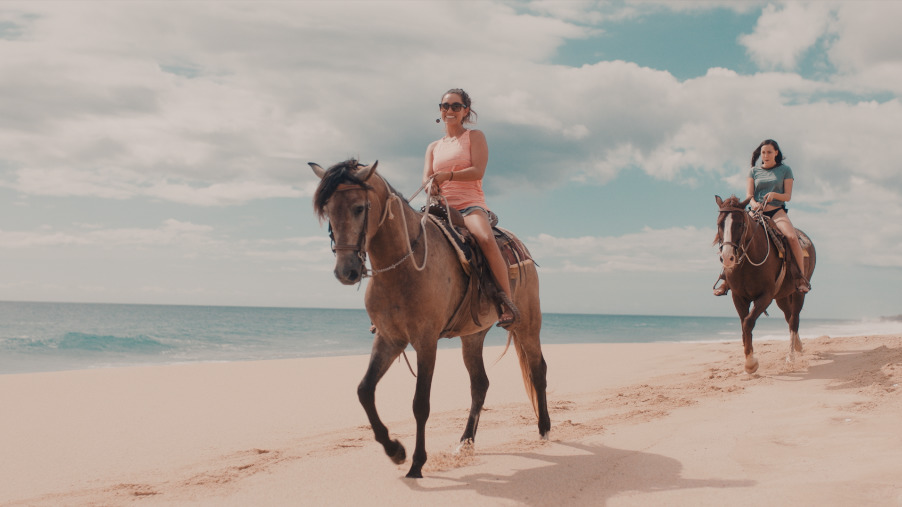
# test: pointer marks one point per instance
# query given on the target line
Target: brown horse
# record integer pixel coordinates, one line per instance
(416, 288)
(757, 274)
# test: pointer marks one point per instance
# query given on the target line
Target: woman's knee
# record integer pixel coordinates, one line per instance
(478, 226)
(484, 240)
(784, 225)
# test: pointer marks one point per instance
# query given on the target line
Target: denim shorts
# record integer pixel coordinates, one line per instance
(493, 218)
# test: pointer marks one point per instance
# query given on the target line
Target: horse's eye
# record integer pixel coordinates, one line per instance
(359, 209)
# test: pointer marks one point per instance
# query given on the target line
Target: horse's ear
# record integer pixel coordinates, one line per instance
(319, 171)
(365, 172)
(719, 201)
(744, 203)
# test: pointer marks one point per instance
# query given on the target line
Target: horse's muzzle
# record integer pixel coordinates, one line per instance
(350, 271)
(729, 257)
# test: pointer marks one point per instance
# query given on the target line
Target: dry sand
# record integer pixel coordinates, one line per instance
(632, 424)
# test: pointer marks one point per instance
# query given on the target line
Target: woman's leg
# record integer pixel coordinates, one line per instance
(788, 230)
(478, 224)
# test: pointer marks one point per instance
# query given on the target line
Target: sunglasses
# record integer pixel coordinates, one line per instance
(456, 107)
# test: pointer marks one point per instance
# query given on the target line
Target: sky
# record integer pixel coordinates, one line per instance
(156, 152)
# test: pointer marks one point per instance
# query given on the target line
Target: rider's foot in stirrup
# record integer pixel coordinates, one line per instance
(506, 319)
(804, 286)
(507, 312)
(723, 289)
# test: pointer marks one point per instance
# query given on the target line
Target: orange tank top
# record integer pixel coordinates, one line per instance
(453, 154)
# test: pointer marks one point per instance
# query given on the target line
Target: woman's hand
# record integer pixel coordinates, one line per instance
(434, 187)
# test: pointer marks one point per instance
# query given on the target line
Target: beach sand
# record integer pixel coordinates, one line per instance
(632, 424)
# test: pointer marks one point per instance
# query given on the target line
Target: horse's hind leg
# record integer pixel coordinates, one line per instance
(479, 382)
(380, 359)
(526, 337)
(539, 382)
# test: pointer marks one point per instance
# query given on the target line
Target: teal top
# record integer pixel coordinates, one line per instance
(770, 180)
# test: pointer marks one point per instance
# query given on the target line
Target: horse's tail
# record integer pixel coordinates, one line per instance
(525, 368)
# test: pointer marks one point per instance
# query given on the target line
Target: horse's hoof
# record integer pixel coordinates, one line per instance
(751, 365)
(466, 448)
(400, 455)
(415, 472)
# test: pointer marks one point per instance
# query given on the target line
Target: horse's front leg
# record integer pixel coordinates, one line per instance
(792, 307)
(380, 360)
(472, 346)
(421, 406)
(748, 324)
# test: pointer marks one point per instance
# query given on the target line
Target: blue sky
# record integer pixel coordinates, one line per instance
(155, 152)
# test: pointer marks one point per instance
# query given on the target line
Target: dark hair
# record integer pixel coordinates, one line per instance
(757, 153)
(465, 97)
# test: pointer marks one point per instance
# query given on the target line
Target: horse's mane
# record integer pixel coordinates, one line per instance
(339, 174)
(729, 204)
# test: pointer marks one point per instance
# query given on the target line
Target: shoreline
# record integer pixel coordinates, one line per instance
(37, 361)
(632, 424)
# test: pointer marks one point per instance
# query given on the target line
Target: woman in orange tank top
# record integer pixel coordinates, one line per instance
(456, 163)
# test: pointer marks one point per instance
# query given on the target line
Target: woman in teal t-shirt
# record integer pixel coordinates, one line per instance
(770, 188)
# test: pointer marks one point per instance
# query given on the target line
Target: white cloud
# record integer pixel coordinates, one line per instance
(867, 35)
(847, 234)
(246, 114)
(171, 232)
(678, 249)
(172, 239)
(236, 192)
(868, 46)
(121, 184)
(218, 104)
(784, 34)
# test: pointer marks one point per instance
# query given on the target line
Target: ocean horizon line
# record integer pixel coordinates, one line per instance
(897, 317)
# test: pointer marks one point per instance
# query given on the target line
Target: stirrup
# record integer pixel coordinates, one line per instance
(803, 286)
(515, 313)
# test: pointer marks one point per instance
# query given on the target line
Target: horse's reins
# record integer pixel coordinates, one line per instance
(742, 239)
(360, 246)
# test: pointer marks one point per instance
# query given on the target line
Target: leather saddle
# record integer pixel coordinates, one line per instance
(482, 283)
(452, 224)
(782, 242)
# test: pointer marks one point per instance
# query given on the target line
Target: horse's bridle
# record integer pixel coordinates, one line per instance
(742, 246)
(740, 251)
(360, 247)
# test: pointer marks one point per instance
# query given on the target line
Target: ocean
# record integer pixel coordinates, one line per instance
(42, 337)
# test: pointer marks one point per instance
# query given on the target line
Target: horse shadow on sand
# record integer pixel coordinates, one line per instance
(597, 473)
(855, 369)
